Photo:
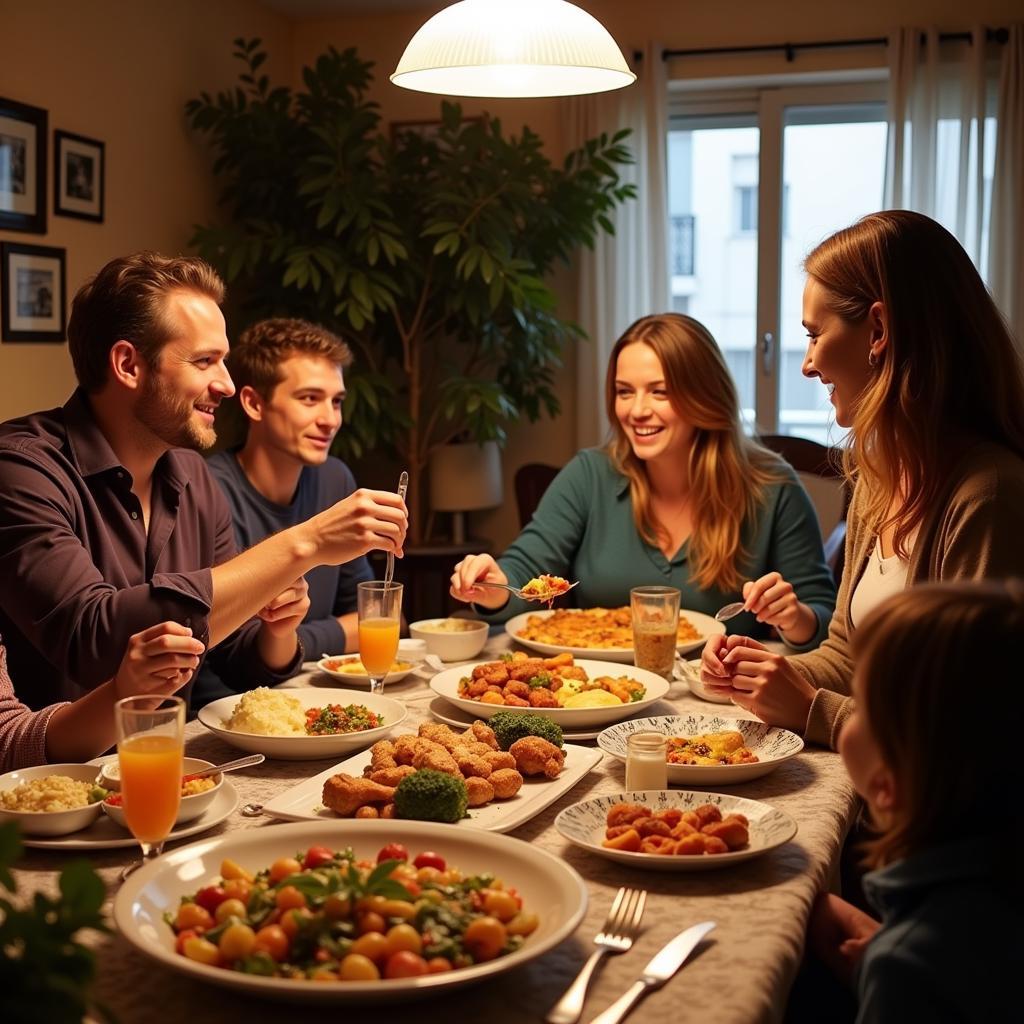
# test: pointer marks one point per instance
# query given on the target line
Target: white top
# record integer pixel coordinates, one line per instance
(882, 578)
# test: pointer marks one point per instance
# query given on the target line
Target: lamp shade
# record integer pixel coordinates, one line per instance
(512, 48)
(465, 477)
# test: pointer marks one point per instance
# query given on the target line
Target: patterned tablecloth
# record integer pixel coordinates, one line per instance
(742, 976)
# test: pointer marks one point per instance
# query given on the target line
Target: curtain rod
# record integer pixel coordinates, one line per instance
(992, 35)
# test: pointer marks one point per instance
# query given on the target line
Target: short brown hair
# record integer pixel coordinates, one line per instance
(922, 658)
(256, 358)
(126, 301)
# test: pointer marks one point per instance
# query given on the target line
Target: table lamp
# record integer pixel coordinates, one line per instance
(465, 478)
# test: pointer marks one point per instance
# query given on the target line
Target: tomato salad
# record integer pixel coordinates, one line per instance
(326, 916)
(334, 718)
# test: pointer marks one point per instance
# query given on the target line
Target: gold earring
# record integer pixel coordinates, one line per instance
(872, 359)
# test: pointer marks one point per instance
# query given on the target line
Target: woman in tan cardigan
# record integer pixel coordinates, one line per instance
(922, 368)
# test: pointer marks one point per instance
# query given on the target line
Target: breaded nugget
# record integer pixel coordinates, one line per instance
(506, 782)
(478, 791)
(542, 697)
(652, 827)
(526, 670)
(391, 776)
(382, 754)
(513, 701)
(344, 794)
(573, 672)
(733, 833)
(499, 759)
(536, 756)
(707, 813)
(623, 813)
(439, 734)
(407, 747)
(388, 811)
(471, 765)
(516, 688)
(437, 758)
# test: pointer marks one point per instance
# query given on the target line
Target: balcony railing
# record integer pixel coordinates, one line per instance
(681, 244)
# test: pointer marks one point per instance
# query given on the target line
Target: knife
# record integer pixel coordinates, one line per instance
(663, 965)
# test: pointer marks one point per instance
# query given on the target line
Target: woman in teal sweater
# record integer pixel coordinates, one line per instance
(679, 497)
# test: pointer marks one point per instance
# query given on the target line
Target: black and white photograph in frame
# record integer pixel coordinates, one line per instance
(32, 292)
(78, 173)
(23, 132)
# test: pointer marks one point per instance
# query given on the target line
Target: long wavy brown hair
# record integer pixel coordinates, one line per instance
(948, 377)
(916, 655)
(727, 472)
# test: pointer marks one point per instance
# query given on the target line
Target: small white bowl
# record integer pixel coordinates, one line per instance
(458, 645)
(51, 823)
(191, 806)
(689, 673)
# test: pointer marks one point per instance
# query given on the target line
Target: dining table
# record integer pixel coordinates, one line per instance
(741, 974)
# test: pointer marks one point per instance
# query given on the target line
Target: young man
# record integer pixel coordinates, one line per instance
(290, 380)
(110, 521)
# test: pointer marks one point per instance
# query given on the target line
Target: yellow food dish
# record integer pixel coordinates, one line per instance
(596, 628)
(354, 667)
(710, 748)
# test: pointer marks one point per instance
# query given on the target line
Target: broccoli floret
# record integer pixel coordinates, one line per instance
(510, 726)
(427, 795)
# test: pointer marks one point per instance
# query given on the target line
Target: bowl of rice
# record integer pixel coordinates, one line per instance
(196, 794)
(51, 799)
(302, 724)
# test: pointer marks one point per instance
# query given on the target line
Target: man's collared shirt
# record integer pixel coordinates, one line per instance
(80, 573)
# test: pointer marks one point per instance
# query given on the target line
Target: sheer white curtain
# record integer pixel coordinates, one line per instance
(626, 275)
(955, 149)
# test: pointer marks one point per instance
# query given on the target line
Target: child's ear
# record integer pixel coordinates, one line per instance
(883, 793)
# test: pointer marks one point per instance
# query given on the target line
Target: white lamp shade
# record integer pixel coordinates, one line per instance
(465, 477)
(512, 48)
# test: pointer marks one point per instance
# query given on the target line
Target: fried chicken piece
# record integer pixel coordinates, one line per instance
(732, 832)
(408, 746)
(526, 670)
(389, 776)
(478, 791)
(382, 755)
(513, 701)
(535, 756)
(499, 759)
(707, 813)
(474, 749)
(438, 733)
(506, 782)
(558, 661)
(437, 758)
(542, 697)
(344, 794)
(623, 814)
(388, 811)
(474, 688)
(573, 672)
(652, 827)
(480, 732)
(516, 688)
(494, 672)
(470, 765)
(494, 697)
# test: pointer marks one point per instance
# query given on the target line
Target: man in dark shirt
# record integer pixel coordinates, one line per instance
(109, 519)
(290, 380)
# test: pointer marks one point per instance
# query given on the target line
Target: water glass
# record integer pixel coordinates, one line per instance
(655, 628)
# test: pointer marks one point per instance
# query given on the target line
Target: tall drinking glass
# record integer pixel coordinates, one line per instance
(655, 627)
(150, 748)
(380, 613)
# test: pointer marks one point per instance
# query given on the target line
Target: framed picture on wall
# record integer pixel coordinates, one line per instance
(22, 167)
(78, 173)
(32, 292)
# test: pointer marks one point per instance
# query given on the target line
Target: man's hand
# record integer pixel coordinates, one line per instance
(364, 521)
(159, 660)
(282, 615)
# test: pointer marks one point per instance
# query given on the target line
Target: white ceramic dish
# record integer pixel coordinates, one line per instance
(306, 748)
(583, 824)
(359, 679)
(689, 673)
(455, 646)
(446, 684)
(303, 802)
(704, 624)
(191, 806)
(51, 823)
(771, 745)
(106, 834)
(545, 883)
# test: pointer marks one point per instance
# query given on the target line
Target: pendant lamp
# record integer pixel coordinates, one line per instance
(512, 48)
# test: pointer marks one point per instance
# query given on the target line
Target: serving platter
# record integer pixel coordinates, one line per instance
(446, 684)
(584, 824)
(772, 746)
(303, 802)
(706, 626)
(542, 880)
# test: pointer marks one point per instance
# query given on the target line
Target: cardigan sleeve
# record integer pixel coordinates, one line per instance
(22, 731)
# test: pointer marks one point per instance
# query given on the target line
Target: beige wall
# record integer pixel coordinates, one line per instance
(119, 71)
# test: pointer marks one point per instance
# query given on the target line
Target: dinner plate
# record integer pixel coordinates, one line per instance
(446, 684)
(705, 625)
(305, 748)
(105, 834)
(303, 802)
(359, 679)
(584, 824)
(451, 715)
(772, 746)
(545, 883)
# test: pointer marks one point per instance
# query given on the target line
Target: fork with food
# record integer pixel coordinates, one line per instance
(476, 574)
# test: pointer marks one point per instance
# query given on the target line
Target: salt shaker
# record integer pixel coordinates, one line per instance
(646, 761)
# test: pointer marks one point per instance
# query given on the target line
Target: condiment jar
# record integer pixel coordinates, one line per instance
(646, 761)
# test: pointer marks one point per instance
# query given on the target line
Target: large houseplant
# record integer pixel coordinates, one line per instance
(429, 255)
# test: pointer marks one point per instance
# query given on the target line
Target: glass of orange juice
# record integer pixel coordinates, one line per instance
(380, 613)
(150, 748)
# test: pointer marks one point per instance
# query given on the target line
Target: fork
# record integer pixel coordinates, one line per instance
(518, 591)
(389, 572)
(617, 934)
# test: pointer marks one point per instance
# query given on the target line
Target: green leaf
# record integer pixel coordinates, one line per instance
(81, 888)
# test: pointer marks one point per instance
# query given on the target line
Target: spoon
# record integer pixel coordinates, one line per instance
(518, 591)
(228, 766)
(730, 611)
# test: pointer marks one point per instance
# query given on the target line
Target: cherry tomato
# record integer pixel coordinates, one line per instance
(291, 921)
(393, 851)
(501, 905)
(485, 938)
(231, 870)
(405, 965)
(357, 968)
(289, 898)
(373, 946)
(283, 867)
(201, 950)
(237, 941)
(229, 908)
(438, 965)
(404, 938)
(191, 915)
(238, 889)
(273, 941)
(317, 855)
(211, 897)
(429, 859)
(371, 921)
(183, 937)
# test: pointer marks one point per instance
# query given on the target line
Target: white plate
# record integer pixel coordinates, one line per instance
(583, 824)
(772, 745)
(303, 802)
(446, 684)
(706, 625)
(546, 884)
(305, 748)
(105, 834)
(359, 679)
(451, 715)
